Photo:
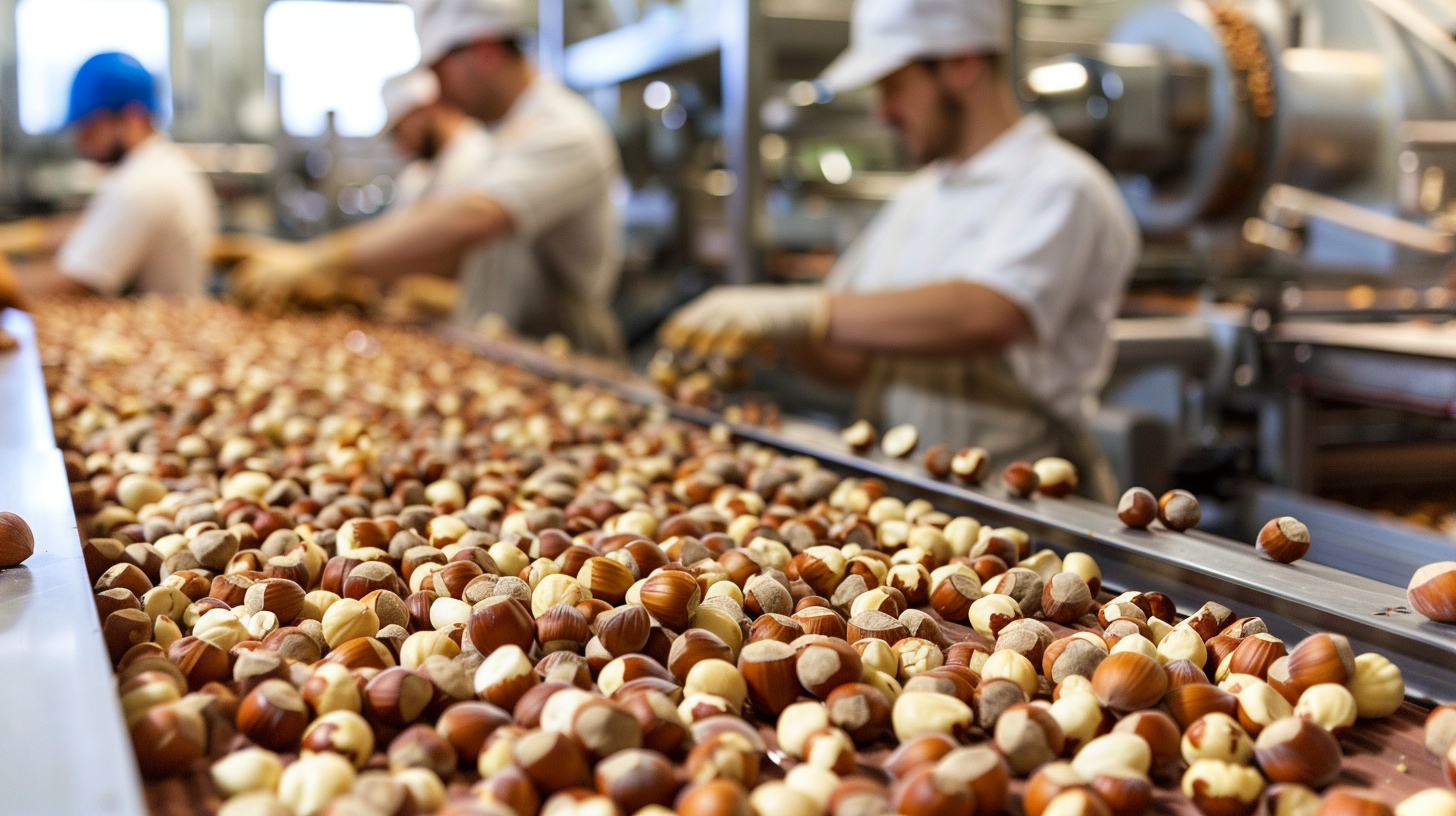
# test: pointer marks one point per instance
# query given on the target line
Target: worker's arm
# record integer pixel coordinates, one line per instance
(426, 236)
(831, 365)
(943, 319)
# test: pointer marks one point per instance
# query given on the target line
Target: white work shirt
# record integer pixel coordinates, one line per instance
(1033, 218)
(457, 163)
(148, 229)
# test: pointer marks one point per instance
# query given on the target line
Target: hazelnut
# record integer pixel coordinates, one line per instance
(251, 769)
(717, 797)
(1078, 654)
(1321, 658)
(768, 668)
(927, 792)
(505, 676)
(860, 710)
(348, 619)
(1218, 787)
(671, 597)
(1260, 706)
(900, 441)
(1120, 752)
(467, 725)
(797, 722)
(420, 746)
(1029, 737)
(916, 713)
(170, 737)
(1255, 654)
(990, 614)
(1081, 718)
(1020, 479)
(1179, 511)
(1295, 750)
(1137, 508)
(552, 760)
(397, 696)
(635, 778)
(937, 461)
(1049, 782)
(860, 436)
(1378, 687)
(17, 542)
(1329, 706)
(1440, 730)
(971, 465)
(953, 596)
(1291, 799)
(312, 780)
(331, 688)
(1190, 701)
(823, 666)
(1129, 681)
(1010, 665)
(1430, 802)
(1160, 733)
(1056, 477)
(1283, 539)
(273, 715)
(343, 732)
(500, 621)
(1217, 736)
(1432, 591)
(1065, 598)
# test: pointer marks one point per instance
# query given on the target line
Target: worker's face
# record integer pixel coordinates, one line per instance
(417, 135)
(470, 79)
(918, 105)
(100, 137)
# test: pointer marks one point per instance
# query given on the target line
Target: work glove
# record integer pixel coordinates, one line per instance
(283, 273)
(734, 320)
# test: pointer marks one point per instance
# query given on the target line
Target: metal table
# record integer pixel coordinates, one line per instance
(63, 747)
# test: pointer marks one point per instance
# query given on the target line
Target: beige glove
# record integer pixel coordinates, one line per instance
(282, 273)
(734, 320)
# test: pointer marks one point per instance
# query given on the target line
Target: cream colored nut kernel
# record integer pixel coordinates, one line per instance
(1328, 705)
(1432, 802)
(899, 441)
(251, 769)
(1010, 665)
(1378, 687)
(1217, 736)
(554, 590)
(1114, 753)
(990, 613)
(1182, 643)
(420, 646)
(778, 799)
(1214, 779)
(447, 612)
(915, 655)
(876, 655)
(797, 722)
(347, 619)
(924, 712)
(812, 781)
(313, 779)
(718, 678)
(961, 533)
(1135, 643)
(425, 788)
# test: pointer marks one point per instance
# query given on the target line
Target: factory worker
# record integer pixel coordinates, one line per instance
(445, 147)
(542, 203)
(149, 226)
(977, 304)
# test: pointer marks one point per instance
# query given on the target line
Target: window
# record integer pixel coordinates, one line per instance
(53, 38)
(332, 55)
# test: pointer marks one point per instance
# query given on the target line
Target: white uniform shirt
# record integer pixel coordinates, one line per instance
(148, 228)
(1033, 218)
(458, 161)
(553, 170)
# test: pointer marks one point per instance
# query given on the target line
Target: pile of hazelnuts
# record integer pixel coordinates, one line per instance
(350, 570)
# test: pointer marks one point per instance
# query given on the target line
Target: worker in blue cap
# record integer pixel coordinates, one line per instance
(149, 226)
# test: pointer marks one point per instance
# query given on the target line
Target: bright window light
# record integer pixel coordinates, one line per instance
(335, 56)
(1059, 77)
(53, 38)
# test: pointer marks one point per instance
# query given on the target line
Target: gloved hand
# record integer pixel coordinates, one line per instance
(282, 272)
(733, 320)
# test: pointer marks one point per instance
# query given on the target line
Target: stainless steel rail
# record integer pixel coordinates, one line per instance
(63, 747)
(1296, 599)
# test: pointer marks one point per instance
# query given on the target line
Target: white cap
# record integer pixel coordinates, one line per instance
(887, 35)
(407, 93)
(445, 25)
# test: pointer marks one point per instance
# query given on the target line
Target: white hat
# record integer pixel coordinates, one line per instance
(887, 35)
(407, 93)
(445, 25)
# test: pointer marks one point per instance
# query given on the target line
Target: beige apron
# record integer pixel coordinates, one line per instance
(978, 401)
(507, 279)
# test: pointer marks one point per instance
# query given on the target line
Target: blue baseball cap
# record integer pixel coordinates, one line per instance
(110, 82)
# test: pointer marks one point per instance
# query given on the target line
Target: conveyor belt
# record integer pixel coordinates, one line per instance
(1192, 568)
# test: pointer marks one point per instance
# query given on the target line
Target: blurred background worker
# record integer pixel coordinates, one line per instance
(977, 305)
(149, 225)
(445, 147)
(542, 202)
